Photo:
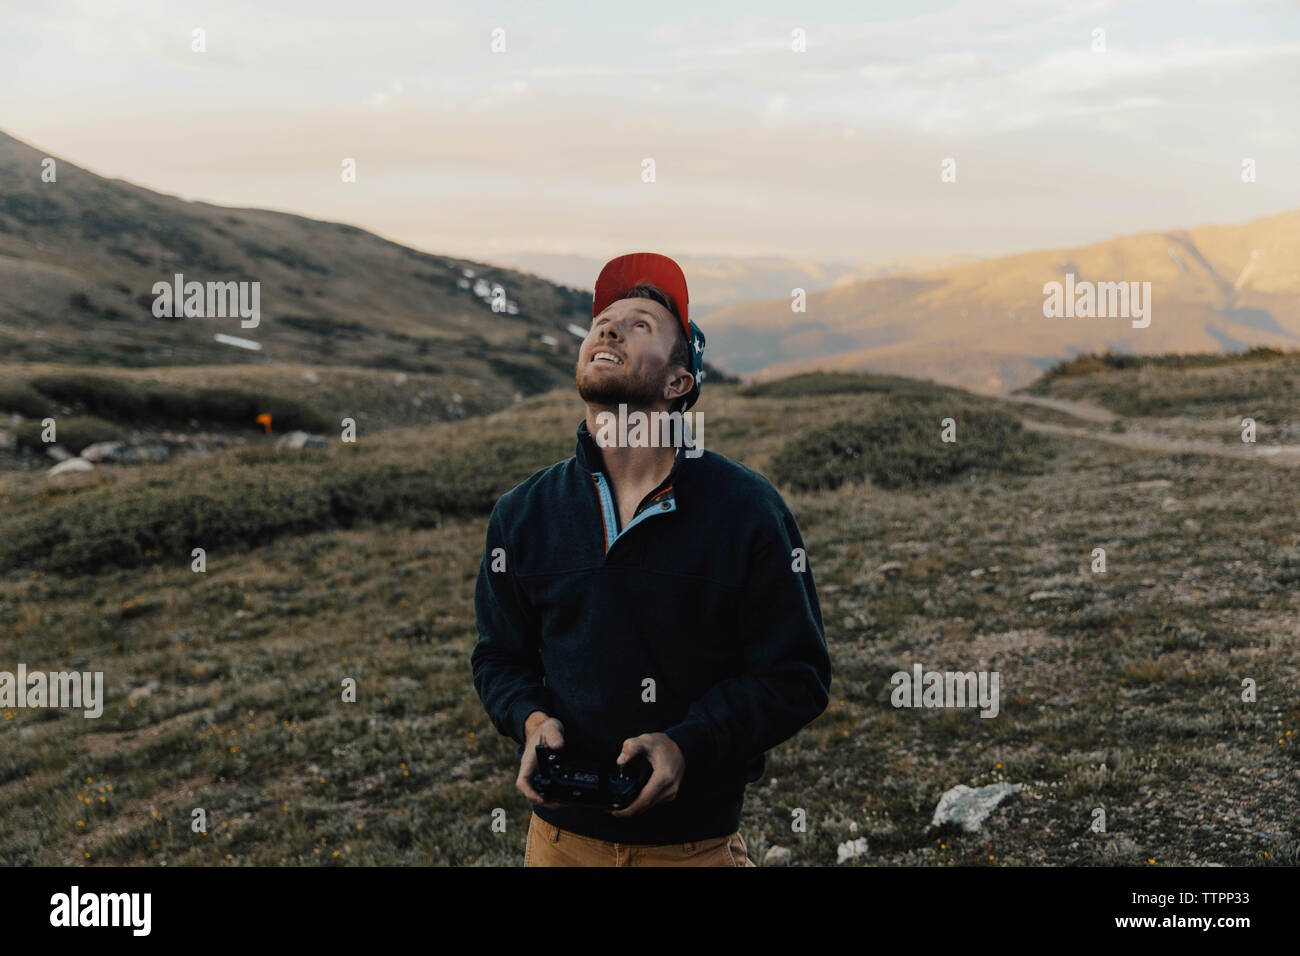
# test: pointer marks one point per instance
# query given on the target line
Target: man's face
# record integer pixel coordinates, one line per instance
(624, 358)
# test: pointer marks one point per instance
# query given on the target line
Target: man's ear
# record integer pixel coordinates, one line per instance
(679, 385)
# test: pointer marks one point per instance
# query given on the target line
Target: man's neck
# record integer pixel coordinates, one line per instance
(634, 468)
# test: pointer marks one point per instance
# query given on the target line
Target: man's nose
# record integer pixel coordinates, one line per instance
(612, 329)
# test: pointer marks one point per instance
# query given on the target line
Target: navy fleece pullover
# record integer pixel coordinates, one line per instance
(705, 592)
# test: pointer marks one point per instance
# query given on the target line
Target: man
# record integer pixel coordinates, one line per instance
(641, 600)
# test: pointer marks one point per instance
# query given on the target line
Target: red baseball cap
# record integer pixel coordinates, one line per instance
(624, 272)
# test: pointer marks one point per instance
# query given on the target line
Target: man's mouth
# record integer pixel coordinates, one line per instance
(607, 357)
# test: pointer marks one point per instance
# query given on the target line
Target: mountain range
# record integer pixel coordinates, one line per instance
(982, 326)
(719, 281)
(80, 256)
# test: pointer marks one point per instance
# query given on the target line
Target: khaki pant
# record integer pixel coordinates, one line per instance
(548, 845)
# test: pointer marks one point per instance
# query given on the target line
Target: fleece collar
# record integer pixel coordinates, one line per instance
(589, 455)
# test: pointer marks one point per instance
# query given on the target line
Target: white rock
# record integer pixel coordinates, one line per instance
(72, 464)
(776, 856)
(102, 450)
(968, 808)
(852, 849)
(301, 439)
(58, 452)
(140, 693)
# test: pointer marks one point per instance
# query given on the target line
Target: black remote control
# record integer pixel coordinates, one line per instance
(563, 776)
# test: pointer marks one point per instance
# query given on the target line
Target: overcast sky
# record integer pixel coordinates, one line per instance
(759, 150)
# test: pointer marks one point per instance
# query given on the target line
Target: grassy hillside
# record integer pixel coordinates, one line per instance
(1262, 382)
(167, 396)
(1120, 690)
(79, 258)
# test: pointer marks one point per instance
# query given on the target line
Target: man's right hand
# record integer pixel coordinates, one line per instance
(539, 728)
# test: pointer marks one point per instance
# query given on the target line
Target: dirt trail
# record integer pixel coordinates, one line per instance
(1134, 437)
(1085, 410)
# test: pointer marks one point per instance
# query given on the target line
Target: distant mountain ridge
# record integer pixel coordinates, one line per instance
(79, 257)
(719, 281)
(981, 325)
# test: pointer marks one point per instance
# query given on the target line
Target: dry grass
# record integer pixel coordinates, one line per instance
(1119, 690)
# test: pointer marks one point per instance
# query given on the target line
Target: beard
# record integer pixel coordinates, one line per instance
(629, 389)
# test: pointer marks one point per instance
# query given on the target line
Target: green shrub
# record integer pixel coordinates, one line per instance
(900, 446)
(23, 400)
(244, 501)
(834, 383)
(149, 404)
(1093, 363)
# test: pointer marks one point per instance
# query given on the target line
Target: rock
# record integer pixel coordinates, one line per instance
(967, 808)
(301, 439)
(890, 567)
(310, 376)
(1170, 504)
(57, 452)
(851, 850)
(103, 450)
(140, 693)
(1046, 595)
(123, 454)
(72, 464)
(1191, 524)
(7, 442)
(153, 452)
(776, 856)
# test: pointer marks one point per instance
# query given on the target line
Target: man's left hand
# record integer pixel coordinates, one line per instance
(668, 765)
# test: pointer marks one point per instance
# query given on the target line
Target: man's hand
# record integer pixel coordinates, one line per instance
(669, 766)
(538, 729)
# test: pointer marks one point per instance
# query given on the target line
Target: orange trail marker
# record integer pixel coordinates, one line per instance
(265, 419)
